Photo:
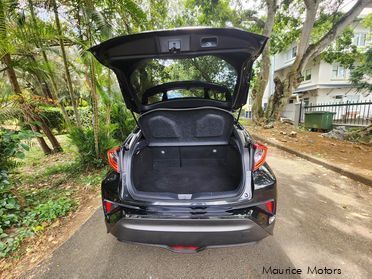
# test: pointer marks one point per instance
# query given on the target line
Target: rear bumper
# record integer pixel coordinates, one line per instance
(195, 232)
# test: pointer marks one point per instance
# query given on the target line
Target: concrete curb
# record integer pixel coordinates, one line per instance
(358, 177)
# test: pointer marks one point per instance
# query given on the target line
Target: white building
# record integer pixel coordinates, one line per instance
(322, 82)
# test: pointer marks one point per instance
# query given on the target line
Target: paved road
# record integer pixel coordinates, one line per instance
(324, 220)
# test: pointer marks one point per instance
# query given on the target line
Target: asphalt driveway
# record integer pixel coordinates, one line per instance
(324, 222)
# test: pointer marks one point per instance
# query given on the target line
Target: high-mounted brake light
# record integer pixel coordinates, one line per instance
(260, 153)
(113, 158)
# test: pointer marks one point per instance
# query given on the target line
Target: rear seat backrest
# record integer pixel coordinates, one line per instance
(187, 127)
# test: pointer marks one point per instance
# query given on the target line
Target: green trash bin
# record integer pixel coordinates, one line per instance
(319, 120)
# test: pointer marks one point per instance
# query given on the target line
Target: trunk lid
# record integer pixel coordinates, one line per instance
(126, 54)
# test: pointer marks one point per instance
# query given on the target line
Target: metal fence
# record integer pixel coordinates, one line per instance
(345, 113)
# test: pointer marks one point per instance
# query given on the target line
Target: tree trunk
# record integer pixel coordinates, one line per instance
(291, 81)
(29, 114)
(53, 140)
(274, 105)
(54, 92)
(109, 105)
(65, 63)
(96, 128)
(7, 60)
(44, 146)
(306, 52)
(263, 77)
(95, 107)
(315, 49)
(40, 79)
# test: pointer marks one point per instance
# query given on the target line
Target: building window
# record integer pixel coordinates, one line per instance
(360, 39)
(307, 75)
(290, 101)
(306, 101)
(339, 97)
(338, 72)
(292, 52)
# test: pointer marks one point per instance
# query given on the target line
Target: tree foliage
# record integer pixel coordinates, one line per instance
(361, 74)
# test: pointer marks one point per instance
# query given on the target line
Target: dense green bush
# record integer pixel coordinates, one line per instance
(85, 116)
(9, 205)
(53, 118)
(31, 220)
(12, 146)
(84, 141)
(362, 135)
(23, 213)
(55, 121)
(122, 121)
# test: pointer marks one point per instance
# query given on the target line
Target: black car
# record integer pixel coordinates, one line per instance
(189, 176)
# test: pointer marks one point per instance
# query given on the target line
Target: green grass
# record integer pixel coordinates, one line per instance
(245, 122)
(46, 188)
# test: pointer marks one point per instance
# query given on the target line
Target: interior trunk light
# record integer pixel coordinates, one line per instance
(259, 155)
(113, 158)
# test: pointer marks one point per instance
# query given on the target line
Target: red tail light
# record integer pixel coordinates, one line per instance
(113, 158)
(270, 206)
(259, 155)
(108, 206)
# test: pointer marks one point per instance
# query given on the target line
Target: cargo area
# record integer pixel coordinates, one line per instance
(187, 169)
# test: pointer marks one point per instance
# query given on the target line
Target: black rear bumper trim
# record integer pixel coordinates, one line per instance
(195, 232)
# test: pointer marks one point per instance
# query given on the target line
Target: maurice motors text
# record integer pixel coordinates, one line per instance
(310, 270)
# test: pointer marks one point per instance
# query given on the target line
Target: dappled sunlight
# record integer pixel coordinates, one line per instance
(327, 215)
(352, 229)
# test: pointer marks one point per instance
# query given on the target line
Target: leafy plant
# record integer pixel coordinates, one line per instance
(360, 75)
(122, 121)
(84, 141)
(34, 220)
(362, 135)
(12, 146)
(9, 205)
(47, 212)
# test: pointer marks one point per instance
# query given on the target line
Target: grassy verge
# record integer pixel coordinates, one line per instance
(44, 189)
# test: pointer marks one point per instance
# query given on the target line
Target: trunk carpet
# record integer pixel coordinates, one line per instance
(188, 179)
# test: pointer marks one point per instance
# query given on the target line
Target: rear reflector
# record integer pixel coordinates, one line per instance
(113, 158)
(183, 248)
(259, 155)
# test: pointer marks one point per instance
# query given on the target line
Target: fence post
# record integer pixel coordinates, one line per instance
(297, 114)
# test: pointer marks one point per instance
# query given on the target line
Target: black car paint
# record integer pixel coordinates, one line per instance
(264, 184)
(123, 55)
(139, 221)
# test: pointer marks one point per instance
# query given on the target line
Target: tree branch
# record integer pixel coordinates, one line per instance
(311, 10)
(250, 16)
(4, 69)
(315, 49)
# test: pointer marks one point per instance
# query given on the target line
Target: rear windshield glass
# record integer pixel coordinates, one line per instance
(211, 69)
(195, 92)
